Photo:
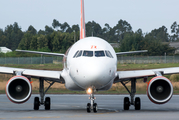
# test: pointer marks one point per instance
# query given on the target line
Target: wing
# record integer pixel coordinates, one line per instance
(124, 75)
(46, 74)
(131, 52)
(44, 53)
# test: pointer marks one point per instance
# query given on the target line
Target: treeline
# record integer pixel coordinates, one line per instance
(60, 36)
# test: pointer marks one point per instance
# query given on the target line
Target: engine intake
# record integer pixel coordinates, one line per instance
(18, 89)
(159, 90)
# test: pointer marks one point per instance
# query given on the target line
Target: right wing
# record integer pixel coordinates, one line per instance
(44, 53)
(46, 74)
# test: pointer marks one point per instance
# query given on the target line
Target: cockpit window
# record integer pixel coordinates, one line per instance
(79, 53)
(99, 54)
(88, 53)
(108, 54)
(75, 54)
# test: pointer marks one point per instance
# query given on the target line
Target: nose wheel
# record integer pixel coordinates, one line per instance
(92, 106)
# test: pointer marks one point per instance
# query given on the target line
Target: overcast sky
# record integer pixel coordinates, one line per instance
(144, 14)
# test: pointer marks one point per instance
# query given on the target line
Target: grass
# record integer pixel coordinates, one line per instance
(36, 66)
(125, 67)
(116, 88)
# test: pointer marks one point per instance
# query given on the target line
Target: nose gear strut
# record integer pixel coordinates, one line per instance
(92, 105)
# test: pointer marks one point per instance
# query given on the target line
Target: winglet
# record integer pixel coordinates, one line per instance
(82, 26)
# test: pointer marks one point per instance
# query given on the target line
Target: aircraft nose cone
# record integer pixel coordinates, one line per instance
(96, 74)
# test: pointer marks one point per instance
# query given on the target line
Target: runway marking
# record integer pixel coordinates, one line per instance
(37, 117)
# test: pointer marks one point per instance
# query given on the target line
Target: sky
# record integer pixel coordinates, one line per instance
(144, 14)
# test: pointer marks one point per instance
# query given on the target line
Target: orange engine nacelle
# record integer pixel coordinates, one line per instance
(159, 90)
(18, 89)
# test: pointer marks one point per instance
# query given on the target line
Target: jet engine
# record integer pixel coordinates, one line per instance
(18, 89)
(159, 90)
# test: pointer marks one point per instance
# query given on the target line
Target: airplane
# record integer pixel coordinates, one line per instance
(90, 65)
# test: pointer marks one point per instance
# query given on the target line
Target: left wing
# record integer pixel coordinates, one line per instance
(131, 52)
(123, 75)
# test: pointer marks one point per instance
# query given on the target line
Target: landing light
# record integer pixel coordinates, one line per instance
(89, 91)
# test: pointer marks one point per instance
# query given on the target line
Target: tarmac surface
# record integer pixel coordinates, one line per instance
(69, 107)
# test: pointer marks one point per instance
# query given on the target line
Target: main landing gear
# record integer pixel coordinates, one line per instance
(47, 101)
(127, 102)
(91, 106)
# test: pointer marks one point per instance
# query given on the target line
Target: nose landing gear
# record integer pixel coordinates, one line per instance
(92, 105)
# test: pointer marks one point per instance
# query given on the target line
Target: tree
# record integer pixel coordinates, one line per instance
(106, 32)
(121, 29)
(48, 30)
(13, 35)
(41, 32)
(42, 42)
(32, 30)
(25, 42)
(175, 32)
(93, 29)
(160, 34)
(56, 24)
(33, 43)
(56, 43)
(65, 27)
(75, 28)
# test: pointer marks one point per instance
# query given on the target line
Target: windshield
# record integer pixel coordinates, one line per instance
(108, 54)
(75, 54)
(88, 53)
(99, 54)
(79, 54)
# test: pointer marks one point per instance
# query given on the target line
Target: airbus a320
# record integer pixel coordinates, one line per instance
(89, 65)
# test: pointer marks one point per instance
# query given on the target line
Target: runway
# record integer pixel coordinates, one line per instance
(68, 107)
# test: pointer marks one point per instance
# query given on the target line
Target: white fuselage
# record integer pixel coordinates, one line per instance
(90, 62)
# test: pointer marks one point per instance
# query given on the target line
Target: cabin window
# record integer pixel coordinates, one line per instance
(88, 53)
(99, 54)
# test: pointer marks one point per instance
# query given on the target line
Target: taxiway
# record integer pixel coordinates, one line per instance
(74, 107)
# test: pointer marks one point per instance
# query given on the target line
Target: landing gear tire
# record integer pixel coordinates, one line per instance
(88, 108)
(36, 103)
(137, 103)
(47, 103)
(126, 103)
(95, 107)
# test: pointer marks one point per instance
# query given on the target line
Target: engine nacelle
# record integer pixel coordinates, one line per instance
(159, 90)
(18, 89)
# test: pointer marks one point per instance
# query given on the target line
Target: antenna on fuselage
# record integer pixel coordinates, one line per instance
(82, 25)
